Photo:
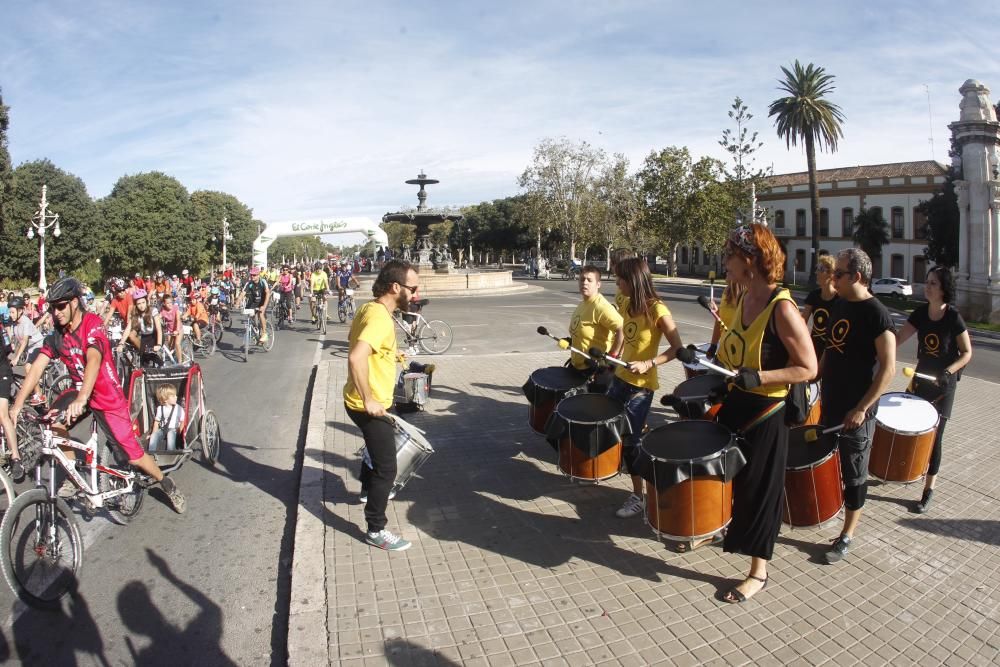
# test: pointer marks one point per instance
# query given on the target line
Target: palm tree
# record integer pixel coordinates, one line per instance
(804, 114)
(871, 232)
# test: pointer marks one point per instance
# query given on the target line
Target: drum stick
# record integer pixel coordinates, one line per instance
(596, 353)
(706, 303)
(688, 357)
(813, 435)
(910, 373)
(670, 399)
(593, 351)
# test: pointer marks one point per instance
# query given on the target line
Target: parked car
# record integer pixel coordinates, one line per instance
(892, 286)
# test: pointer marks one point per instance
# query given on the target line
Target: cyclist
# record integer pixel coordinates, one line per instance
(121, 303)
(257, 295)
(26, 340)
(286, 289)
(345, 277)
(137, 283)
(144, 329)
(160, 287)
(80, 342)
(170, 321)
(318, 285)
(6, 422)
(197, 315)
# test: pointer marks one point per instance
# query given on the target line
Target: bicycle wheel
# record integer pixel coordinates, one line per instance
(342, 312)
(350, 309)
(216, 326)
(207, 347)
(247, 333)
(41, 549)
(122, 509)
(7, 492)
(58, 386)
(321, 315)
(187, 350)
(435, 337)
(268, 345)
(211, 438)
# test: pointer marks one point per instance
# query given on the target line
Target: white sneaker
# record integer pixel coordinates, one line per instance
(633, 505)
(387, 541)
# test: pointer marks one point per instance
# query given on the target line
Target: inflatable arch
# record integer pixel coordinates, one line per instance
(275, 230)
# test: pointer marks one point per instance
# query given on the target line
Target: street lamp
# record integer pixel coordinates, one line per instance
(40, 222)
(226, 236)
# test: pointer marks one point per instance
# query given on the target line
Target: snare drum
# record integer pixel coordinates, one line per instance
(412, 451)
(694, 369)
(905, 426)
(587, 430)
(815, 406)
(545, 388)
(689, 468)
(814, 492)
(694, 398)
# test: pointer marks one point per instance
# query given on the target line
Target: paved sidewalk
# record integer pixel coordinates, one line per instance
(514, 565)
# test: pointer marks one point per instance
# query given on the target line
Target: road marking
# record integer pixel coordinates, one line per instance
(541, 305)
(457, 326)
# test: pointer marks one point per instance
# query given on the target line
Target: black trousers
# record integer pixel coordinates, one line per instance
(380, 439)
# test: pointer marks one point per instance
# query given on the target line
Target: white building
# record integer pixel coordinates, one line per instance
(897, 189)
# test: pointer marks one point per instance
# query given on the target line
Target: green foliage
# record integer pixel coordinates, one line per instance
(6, 171)
(399, 234)
(942, 225)
(496, 226)
(290, 249)
(79, 222)
(871, 231)
(150, 224)
(209, 210)
(741, 146)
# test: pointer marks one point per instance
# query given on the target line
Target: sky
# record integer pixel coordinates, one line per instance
(323, 109)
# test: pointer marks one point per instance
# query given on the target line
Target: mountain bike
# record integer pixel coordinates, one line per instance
(252, 333)
(345, 306)
(41, 547)
(434, 336)
(321, 312)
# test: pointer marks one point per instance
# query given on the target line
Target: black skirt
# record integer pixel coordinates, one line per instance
(759, 488)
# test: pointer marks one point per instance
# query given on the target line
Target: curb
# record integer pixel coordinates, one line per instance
(308, 642)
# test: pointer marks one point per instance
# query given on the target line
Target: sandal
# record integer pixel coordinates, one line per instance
(687, 547)
(734, 596)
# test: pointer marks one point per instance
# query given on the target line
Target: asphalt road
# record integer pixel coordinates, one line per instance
(211, 586)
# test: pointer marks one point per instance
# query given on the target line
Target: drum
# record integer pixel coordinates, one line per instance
(416, 388)
(545, 388)
(694, 369)
(815, 406)
(905, 426)
(412, 451)
(587, 431)
(814, 491)
(695, 398)
(689, 468)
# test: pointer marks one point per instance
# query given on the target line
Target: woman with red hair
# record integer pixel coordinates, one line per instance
(769, 347)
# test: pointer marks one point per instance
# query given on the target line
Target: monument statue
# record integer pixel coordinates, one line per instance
(975, 104)
(422, 219)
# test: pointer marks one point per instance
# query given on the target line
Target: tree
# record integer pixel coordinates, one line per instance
(6, 170)
(399, 234)
(209, 209)
(289, 249)
(805, 114)
(618, 199)
(562, 175)
(150, 224)
(871, 232)
(741, 146)
(942, 215)
(79, 221)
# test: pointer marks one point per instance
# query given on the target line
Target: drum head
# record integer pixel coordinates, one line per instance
(700, 385)
(802, 454)
(589, 408)
(688, 440)
(905, 413)
(702, 351)
(812, 393)
(556, 378)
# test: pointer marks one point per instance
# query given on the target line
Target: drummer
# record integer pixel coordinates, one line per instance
(943, 350)
(646, 320)
(820, 301)
(371, 364)
(768, 345)
(857, 366)
(617, 255)
(731, 295)
(595, 323)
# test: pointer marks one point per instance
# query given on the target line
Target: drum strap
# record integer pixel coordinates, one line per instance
(763, 416)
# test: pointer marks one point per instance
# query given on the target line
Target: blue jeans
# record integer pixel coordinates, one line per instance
(637, 403)
(156, 440)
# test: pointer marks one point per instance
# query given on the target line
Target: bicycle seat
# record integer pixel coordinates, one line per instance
(420, 303)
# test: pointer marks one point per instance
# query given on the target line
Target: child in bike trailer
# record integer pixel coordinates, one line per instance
(167, 419)
(79, 341)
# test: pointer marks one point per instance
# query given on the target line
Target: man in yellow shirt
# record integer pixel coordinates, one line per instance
(371, 363)
(319, 285)
(595, 323)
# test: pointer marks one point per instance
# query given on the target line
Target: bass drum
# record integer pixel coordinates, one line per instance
(587, 431)
(905, 427)
(545, 388)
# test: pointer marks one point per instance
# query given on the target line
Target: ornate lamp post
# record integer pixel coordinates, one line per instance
(41, 222)
(226, 236)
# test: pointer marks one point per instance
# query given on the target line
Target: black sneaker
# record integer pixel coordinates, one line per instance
(925, 501)
(16, 470)
(840, 547)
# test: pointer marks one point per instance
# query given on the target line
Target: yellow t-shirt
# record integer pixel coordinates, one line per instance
(373, 324)
(727, 311)
(318, 281)
(621, 303)
(593, 324)
(642, 343)
(743, 346)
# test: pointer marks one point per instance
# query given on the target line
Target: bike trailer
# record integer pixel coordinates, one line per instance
(188, 380)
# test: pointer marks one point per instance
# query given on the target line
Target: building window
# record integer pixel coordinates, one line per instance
(919, 226)
(897, 223)
(800, 222)
(694, 252)
(705, 258)
(919, 269)
(896, 267)
(779, 219)
(684, 255)
(847, 222)
(824, 222)
(800, 260)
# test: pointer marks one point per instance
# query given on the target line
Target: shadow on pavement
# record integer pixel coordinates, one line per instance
(198, 643)
(57, 637)
(986, 531)
(402, 652)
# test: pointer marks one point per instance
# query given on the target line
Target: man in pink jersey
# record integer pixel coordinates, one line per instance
(78, 339)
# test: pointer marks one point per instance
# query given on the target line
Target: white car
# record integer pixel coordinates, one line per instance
(892, 286)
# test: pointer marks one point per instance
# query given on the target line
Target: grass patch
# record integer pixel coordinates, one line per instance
(983, 325)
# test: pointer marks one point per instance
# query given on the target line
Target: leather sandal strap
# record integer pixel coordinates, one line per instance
(763, 581)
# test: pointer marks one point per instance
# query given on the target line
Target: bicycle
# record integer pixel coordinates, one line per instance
(345, 306)
(206, 348)
(434, 336)
(251, 333)
(41, 547)
(321, 312)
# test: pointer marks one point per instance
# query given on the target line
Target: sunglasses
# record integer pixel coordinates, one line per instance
(840, 274)
(412, 289)
(59, 305)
